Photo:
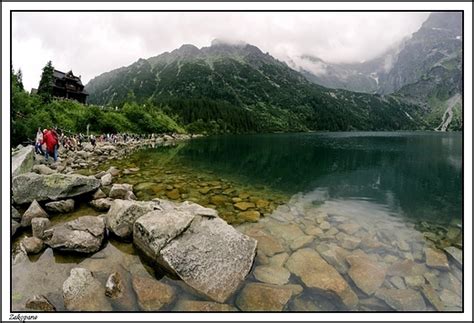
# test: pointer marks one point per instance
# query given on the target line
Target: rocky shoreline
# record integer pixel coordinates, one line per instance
(296, 258)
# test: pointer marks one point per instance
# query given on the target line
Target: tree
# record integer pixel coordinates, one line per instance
(45, 88)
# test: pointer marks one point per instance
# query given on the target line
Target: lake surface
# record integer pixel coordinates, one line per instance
(415, 175)
(393, 200)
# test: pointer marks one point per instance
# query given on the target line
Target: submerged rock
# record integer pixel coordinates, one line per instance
(455, 254)
(272, 274)
(63, 206)
(39, 303)
(263, 297)
(85, 234)
(402, 299)
(34, 211)
(202, 306)
(243, 206)
(334, 255)
(122, 215)
(114, 285)
(267, 244)
(365, 273)
(152, 295)
(30, 186)
(83, 292)
(317, 273)
(436, 259)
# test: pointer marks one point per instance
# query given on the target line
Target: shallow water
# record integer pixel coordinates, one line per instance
(389, 196)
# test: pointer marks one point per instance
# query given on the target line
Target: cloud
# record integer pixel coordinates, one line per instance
(90, 43)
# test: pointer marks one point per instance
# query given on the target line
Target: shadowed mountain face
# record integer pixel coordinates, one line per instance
(213, 84)
(424, 69)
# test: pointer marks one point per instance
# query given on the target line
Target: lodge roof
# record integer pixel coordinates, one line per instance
(68, 75)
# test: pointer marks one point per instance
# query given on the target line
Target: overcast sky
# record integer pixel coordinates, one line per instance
(91, 43)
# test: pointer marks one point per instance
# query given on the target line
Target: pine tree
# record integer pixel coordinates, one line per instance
(45, 88)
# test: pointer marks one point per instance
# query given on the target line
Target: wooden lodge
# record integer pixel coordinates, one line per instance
(69, 86)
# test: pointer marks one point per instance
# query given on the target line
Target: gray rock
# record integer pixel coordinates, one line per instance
(34, 211)
(39, 303)
(83, 292)
(130, 196)
(99, 194)
(22, 160)
(317, 273)
(398, 282)
(156, 229)
(347, 241)
(42, 169)
(15, 214)
(263, 297)
(38, 226)
(100, 174)
(32, 245)
(14, 225)
(30, 186)
(211, 256)
(85, 235)
(414, 282)
(119, 191)
(63, 206)
(402, 299)
(123, 214)
(106, 180)
(102, 204)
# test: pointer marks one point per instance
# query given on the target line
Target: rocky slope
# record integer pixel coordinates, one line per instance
(223, 82)
(424, 69)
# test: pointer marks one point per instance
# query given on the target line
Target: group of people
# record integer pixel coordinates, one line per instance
(47, 143)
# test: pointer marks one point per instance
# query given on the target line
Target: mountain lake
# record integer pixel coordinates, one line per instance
(381, 211)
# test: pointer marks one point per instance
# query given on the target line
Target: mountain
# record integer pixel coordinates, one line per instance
(238, 88)
(424, 69)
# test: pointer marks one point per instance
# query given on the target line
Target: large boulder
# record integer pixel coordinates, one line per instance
(22, 160)
(30, 186)
(63, 206)
(123, 213)
(83, 292)
(316, 273)
(202, 249)
(34, 211)
(85, 235)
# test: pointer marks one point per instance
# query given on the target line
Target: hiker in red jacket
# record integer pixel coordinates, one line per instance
(51, 141)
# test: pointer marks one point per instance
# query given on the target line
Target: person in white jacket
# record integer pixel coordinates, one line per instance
(39, 142)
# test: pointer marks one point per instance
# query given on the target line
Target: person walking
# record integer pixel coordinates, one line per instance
(51, 144)
(39, 142)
